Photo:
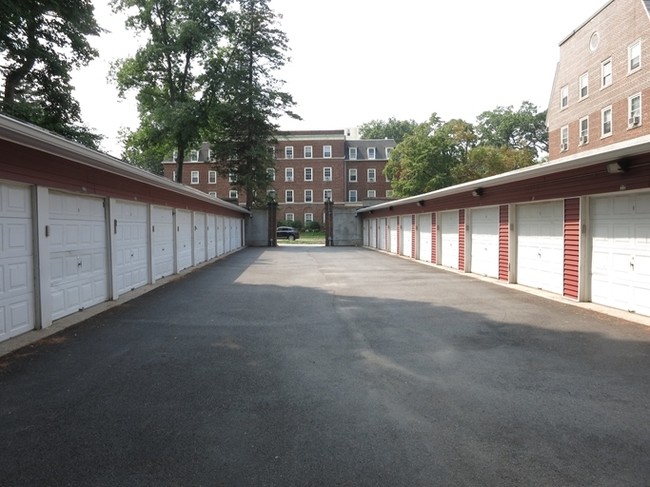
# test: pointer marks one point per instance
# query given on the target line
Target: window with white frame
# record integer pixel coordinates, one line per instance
(194, 177)
(634, 56)
(309, 217)
(173, 175)
(174, 155)
(213, 194)
(289, 217)
(270, 173)
(232, 177)
(606, 121)
(288, 174)
(352, 153)
(309, 196)
(372, 175)
(584, 86)
(564, 138)
(327, 194)
(194, 156)
(288, 195)
(372, 152)
(352, 175)
(372, 193)
(352, 196)
(327, 174)
(584, 131)
(308, 152)
(564, 97)
(209, 154)
(272, 151)
(309, 174)
(288, 152)
(606, 73)
(388, 151)
(634, 110)
(327, 151)
(233, 194)
(212, 177)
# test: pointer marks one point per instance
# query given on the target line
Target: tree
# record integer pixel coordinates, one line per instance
(41, 42)
(389, 129)
(168, 72)
(521, 129)
(484, 161)
(249, 99)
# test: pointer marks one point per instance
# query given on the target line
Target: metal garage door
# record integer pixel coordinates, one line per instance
(373, 233)
(211, 236)
(424, 237)
(406, 240)
(16, 261)
(183, 239)
(162, 241)
(131, 245)
(392, 231)
(220, 235)
(227, 228)
(78, 253)
(199, 237)
(484, 224)
(620, 270)
(449, 239)
(381, 234)
(540, 245)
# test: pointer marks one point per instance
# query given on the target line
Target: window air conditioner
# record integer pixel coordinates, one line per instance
(634, 120)
(584, 139)
(564, 147)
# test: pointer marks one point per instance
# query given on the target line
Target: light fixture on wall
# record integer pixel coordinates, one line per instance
(617, 167)
(421, 203)
(478, 192)
(390, 208)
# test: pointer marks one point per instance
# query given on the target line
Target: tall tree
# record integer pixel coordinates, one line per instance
(41, 42)
(246, 104)
(388, 129)
(168, 72)
(484, 161)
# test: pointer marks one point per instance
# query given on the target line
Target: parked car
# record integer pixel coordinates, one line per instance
(287, 232)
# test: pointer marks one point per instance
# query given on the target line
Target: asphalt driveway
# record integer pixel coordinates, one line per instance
(314, 366)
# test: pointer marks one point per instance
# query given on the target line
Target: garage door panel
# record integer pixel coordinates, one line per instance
(449, 241)
(485, 241)
(131, 245)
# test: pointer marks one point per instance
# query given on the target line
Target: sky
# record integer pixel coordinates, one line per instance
(353, 61)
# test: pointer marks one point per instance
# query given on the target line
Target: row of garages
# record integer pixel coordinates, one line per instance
(62, 251)
(588, 246)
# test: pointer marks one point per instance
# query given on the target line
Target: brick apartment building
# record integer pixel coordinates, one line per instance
(311, 167)
(602, 87)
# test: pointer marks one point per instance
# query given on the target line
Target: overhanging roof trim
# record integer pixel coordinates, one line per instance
(614, 152)
(34, 137)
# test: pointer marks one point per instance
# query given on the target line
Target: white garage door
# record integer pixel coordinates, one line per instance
(131, 245)
(540, 245)
(211, 236)
(16, 261)
(392, 230)
(78, 253)
(221, 235)
(424, 237)
(381, 234)
(449, 239)
(485, 241)
(373, 233)
(620, 270)
(162, 241)
(184, 234)
(199, 237)
(406, 241)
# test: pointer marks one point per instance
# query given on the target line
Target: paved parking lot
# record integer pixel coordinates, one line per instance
(310, 366)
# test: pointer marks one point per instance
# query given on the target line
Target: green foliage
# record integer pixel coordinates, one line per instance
(484, 161)
(389, 129)
(297, 224)
(312, 226)
(41, 42)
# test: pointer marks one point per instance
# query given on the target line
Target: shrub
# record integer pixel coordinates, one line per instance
(297, 224)
(312, 226)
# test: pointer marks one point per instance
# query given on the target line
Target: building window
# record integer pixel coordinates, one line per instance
(308, 152)
(272, 151)
(606, 117)
(309, 217)
(372, 153)
(288, 174)
(288, 196)
(327, 194)
(213, 194)
(270, 173)
(606, 73)
(372, 175)
(327, 151)
(352, 196)
(372, 193)
(584, 86)
(564, 138)
(634, 110)
(209, 154)
(212, 177)
(309, 196)
(309, 174)
(634, 56)
(352, 175)
(353, 153)
(388, 151)
(289, 217)
(288, 152)
(194, 156)
(173, 175)
(584, 131)
(194, 177)
(327, 174)
(232, 177)
(232, 194)
(564, 97)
